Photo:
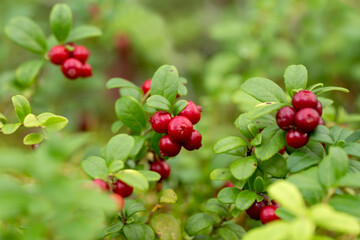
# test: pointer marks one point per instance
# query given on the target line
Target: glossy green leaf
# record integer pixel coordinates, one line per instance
(242, 124)
(353, 137)
(132, 207)
(10, 128)
(114, 228)
(221, 174)
(264, 90)
(83, 32)
(44, 116)
(243, 168)
(296, 77)
(136, 94)
(228, 195)
(273, 140)
(275, 166)
(179, 106)
(21, 106)
(264, 108)
(231, 230)
(119, 147)
(138, 144)
(61, 21)
(322, 134)
(214, 206)
(305, 157)
(95, 167)
(352, 149)
(119, 83)
(136, 231)
(130, 113)
(166, 227)
(245, 199)
(116, 126)
(159, 102)
(33, 138)
(165, 83)
(259, 184)
(55, 123)
(197, 223)
(133, 178)
(351, 179)
(27, 72)
(227, 144)
(168, 196)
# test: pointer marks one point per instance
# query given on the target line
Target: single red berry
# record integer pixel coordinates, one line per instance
(255, 209)
(268, 214)
(162, 168)
(101, 183)
(58, 54)
(285, 118)
(307, 119)
(119, 200)
(86, 70)
(319, 108)
(72, 68)
(192, 112)
(321, 122)
(304, 99)
(296, 138)
(81, 53)
(122, 188)
(282, 151)
(194, 142)
(168, 147)
(180, 129)
(160, 121)
(146, 86)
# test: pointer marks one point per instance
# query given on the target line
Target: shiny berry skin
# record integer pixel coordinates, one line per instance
(101, 183)
(285, 118)
(319, 108)
(194, 142)
(282, 151)
(255, 209)
(86, 70)
(192, 112)
(160, 121)
(81, 53)
(72, 68)
(296, 138)
(307, 119)
(168, 147)
(304, 99)
(321, 122)
(146, 86)
(122, 188)
(162, 168)
(119, 200)
(58, 54)
(180, 129)
(268, 214)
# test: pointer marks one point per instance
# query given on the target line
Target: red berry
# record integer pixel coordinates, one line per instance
(146, 86)
(160, 121)
(255, 209)
(296, 138)
(285, 118)
(168, 147)
(228, 184)
(194, 142)
(86, 70)
(119, 200)
(72, 68)
(282, 151)
(304, 99)
(268, 214)
(321, 122)
(162, 168)
(122, 188)
(180, 129)
(58, 54)
(276, 204)
(81, 53)
(307, 119)
(192, 112)
(101, 183)
(319, 108)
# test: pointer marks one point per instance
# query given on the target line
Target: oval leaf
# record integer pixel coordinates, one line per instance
(83, 32)
(22, 107)
(27, 72)
(295, 78)
(168, 196)
(166, 227)
(198, 222)
(133, 178)
(227, 144)
(95, 167)
(33, 138)
(130, 113)
(61, 21)
(165, 83)
(243, 168)
(119, 147)
(119, 83)
(264, 90)
(158, 102)
(55, 123)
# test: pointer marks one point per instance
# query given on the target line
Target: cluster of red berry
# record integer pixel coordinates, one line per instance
(302, 118)
(72, 59)
(264, 210)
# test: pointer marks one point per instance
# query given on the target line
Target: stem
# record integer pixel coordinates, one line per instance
(143, 99)
(155, 208)
(329, 195)
(123, 217)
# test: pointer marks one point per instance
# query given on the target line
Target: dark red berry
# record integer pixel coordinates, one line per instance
(255, 209)
(86, 70)
(168, 147)
(296, 138)
(321, 122)
(81, 53)
(119, 200)
(72, 68)
(282, 151)
(307, 119)
(268, 214)
(122, 188)
(58, 54)
(160, 121)
(192, 112)
(180, 129)
(285, 118)
(162, 168)
(304, 99)
(319, 108)
(146, 86)
(101, 183)
(194, 142)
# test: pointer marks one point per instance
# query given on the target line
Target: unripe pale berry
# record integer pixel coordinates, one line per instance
(119, 200)
(122, 188)
(194, 142)
(81, 53)
(101, 184)
(180, 129)
(255, 209)
(162, 168)
(307, 119)
(86, 70)
(58, 54)
(285, 118)
(296, 138)
(304, 99)
(268, 214)
(319, 108)
(146, 86)
(72, 68)
(168, 147)
(160, 121)
(192, 112)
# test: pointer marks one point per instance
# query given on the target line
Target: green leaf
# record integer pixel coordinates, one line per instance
(22, 107)
(150, 175)
(132, 207)
(27, 72)
(138, 144)
(179, 106)
(322, 134)
(132, 92)
(26, 33)
(83, 32)
(305, 157)
(159, 102)
(133, 178)
(120, 83)
(10, 128)
(351, 179)
(243, 168)
(242, 124)
(116, 166)
(264, 108)
(326, 217)
(228, 195)
(259, 184)
(257, 140)
(230, 230)
(166, 227)
(273, 140)
(264, 90)
(302, 229)
(296, 77)
(155, 138)
(165, 83)
(32, 121)
(352, 149)
(130, 113)
(182, 90)
(168, 196)
(197, 223)
(327, 89)
(95, 167)
(353, 137)
(136, 231)
(347, 203)
(33, 138)
(119, 147)
(277, 230)
(275, 166)
(214, 206)
(114, 228)
(116, 126)
(227, 144)
(61, 21)
(44, 116)
(3, 119)
(245, 199)
(221, 174)
(55, 123)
